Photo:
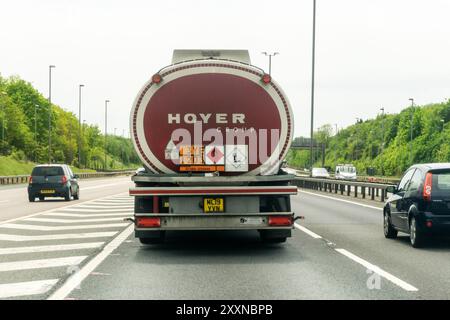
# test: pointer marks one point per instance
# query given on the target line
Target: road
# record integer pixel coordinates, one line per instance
(338, 252)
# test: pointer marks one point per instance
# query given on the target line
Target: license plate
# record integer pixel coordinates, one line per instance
(47, 191)
(213, 205)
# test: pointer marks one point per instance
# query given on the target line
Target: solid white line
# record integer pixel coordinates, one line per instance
(115, 202)
(97, 210)
(40, 264)
(11, 237)
(404, 285)
(52, 248)
(52, 210)
(10, 290)
(82, 206)
(342, 200)
(87, 215)
(18, 226)
(72, 220)
(74, 280)
(307, 231)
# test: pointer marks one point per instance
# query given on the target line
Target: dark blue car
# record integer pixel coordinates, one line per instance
(55, 180)
(420, 204)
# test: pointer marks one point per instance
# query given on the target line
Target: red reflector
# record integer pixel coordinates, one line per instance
(146, 222)
(427, 187)
(64, 180)
(429, 224)
(156, 78)
(30, 181)
(266, 78)
(280, 221)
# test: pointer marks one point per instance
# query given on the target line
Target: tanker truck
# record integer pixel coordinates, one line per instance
(212, 132)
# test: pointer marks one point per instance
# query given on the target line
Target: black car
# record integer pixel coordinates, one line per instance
(420, 204)
(53, 180)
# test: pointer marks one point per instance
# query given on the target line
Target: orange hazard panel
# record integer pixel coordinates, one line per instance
(192, 155)
(202, 168)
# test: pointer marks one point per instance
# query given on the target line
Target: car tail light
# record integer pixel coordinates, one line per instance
(427, 187)
(64, 180)
(147, 222)
(266, 78)
(280, 221)
(30, 181)
(429, 224)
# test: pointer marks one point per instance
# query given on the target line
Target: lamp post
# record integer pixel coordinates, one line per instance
(106, 128)
(443, 124)
(79, 123)
(312, 81)
(35, 132)
(3, 119)
(270, 55)
(50, 67)
(411, 132)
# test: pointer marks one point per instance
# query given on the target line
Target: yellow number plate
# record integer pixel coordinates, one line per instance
(47, 191)
(213, 205)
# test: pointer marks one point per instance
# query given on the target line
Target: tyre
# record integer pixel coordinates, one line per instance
(31, 198)
(68, 195)
(152, 240)
(77, 196)
(416, 236)
(388, 228)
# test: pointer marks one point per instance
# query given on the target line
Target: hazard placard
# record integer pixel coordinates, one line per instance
(214, 155)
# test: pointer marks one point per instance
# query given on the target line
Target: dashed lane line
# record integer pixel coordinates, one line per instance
(402, 284)
(51, 248)
(72, 220)
(341, 200)
(98, 210)
(87, 215)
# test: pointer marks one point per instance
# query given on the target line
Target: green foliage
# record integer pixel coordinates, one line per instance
(24, 120)
(384, 143)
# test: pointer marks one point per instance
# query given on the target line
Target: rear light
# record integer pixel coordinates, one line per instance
(266, 78)
(64, 180)
(146, 222)
(280, 221)
(429, 224)
(156, 78)
(427, 187)
(30, 181)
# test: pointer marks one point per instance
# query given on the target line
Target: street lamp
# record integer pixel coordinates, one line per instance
(411, 132)
(3, 119)
(79, 123)
(106, 128)
(312, 81)
(270, 55)
(50, 67)
(35, 131)
(443, 124)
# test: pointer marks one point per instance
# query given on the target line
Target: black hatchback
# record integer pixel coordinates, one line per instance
(55, 180)
(420, 204)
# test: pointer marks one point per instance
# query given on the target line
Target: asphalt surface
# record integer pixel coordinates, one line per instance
(338, 252)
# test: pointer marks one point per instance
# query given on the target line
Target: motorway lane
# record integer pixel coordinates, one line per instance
(359, 229)
(14, 198)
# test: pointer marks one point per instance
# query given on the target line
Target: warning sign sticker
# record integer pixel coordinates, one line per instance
(214, 155)
(236, 158)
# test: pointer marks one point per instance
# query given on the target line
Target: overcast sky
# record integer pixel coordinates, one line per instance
(369, 54)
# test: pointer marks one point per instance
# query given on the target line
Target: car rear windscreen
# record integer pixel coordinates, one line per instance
(48, 171)
(441, 184)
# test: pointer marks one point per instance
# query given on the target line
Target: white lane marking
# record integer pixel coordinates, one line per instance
(74, 280)
(51, 248)
(40, 264)
(72, 220)
(18, 226)
(52, 210)
(87, 215)
(11, 290)
(97, 210)
(82, 206)
(402, 284)
(113, 202)
(103, 185)
(12, 237)
(342, 200)
(307, 231)
(1, 201)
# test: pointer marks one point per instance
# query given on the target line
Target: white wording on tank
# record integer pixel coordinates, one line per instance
(191, 118)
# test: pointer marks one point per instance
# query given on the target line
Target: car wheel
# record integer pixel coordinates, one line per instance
(389, 230)
(68, 195)
(416, 236)
(31, 198)
(77, 196)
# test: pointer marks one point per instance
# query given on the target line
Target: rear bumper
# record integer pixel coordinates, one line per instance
(440, 223)
(36, 191)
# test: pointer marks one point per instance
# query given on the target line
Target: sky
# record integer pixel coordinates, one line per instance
(369, 54)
